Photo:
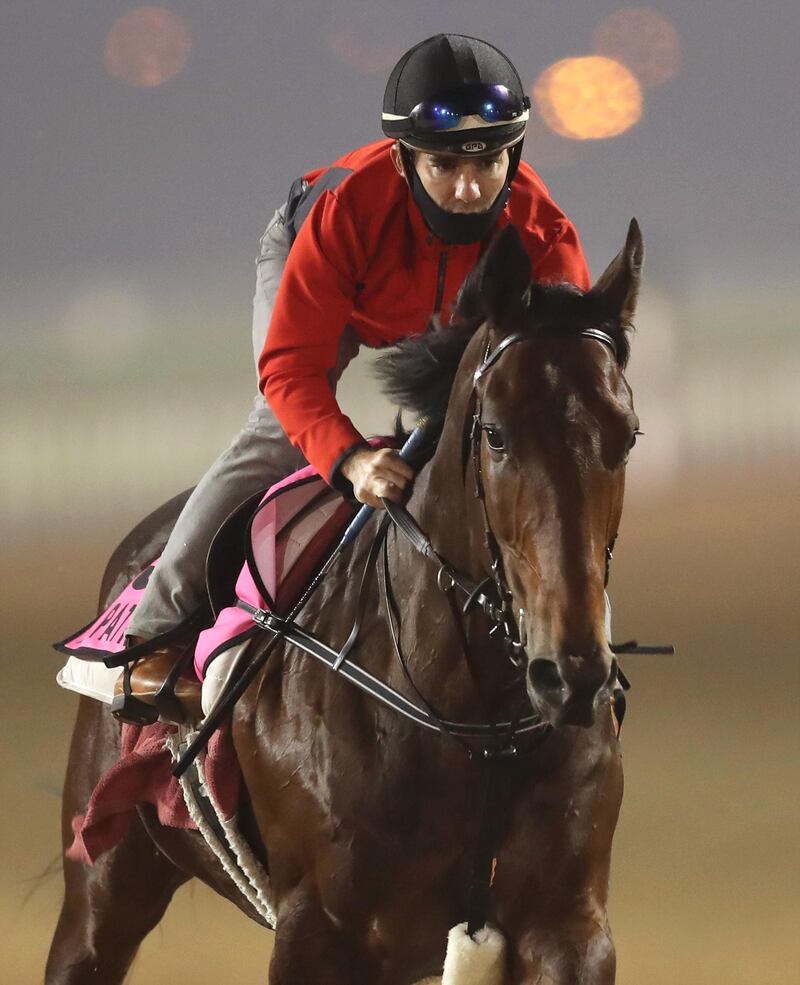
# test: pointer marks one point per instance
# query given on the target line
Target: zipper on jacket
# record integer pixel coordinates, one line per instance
(440, 282)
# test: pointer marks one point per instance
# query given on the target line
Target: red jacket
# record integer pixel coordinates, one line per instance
(365, 257)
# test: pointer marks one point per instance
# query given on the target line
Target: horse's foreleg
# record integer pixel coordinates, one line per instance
(109, 908)
(310, 950)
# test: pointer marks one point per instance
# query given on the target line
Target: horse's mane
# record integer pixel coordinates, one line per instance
(418, 373)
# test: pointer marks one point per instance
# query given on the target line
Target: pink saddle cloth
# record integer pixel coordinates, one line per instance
(105, 634)
(292, 532)
(292, 529)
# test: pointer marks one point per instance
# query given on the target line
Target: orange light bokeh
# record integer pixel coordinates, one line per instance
(644, 40)
(589, 98)
(147, 46)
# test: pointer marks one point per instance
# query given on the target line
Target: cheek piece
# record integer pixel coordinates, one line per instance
(452, 227)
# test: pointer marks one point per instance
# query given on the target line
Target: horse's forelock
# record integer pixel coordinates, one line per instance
(564, 310)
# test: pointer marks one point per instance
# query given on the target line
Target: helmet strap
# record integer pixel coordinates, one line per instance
(454, 227)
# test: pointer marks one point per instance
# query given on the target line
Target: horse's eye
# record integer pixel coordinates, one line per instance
(494, 438)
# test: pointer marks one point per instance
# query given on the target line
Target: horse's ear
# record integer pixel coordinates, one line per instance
(618, 285)
(469, 306)
(505, 277)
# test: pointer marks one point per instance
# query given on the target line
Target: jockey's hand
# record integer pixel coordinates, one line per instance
(377, 473)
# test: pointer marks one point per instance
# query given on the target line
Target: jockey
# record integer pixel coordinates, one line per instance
(364, 253)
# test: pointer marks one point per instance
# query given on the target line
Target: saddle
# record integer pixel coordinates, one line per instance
(275, 541)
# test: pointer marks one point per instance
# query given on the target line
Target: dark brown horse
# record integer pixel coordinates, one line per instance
(370, 822)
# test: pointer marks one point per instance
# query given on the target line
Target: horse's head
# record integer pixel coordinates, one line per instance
(538, 410)
(553, 426)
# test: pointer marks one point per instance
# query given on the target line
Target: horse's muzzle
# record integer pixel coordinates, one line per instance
(567, 690)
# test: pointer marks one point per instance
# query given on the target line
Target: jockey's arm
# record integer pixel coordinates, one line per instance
(299, 357)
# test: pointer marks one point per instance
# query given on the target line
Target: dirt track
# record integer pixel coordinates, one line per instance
(705, 874)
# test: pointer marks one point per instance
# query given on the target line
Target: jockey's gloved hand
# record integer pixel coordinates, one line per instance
(376, 474)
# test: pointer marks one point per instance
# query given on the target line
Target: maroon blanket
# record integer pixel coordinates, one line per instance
(143, 775)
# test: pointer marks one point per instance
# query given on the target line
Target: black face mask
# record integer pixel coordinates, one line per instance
(459, 228)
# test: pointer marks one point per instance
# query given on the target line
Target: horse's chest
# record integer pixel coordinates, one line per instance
(364, 786)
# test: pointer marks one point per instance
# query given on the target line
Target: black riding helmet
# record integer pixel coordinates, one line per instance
(453, 94)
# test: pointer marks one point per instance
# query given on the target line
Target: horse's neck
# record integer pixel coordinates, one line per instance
(449, 513)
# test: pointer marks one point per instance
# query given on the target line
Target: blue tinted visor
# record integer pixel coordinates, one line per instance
(492, 103)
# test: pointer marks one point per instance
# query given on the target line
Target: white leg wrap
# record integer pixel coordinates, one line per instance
(474, 962)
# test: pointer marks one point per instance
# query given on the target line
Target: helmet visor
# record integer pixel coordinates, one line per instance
(493, 104)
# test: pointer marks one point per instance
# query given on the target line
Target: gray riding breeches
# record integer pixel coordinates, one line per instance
(258, 456)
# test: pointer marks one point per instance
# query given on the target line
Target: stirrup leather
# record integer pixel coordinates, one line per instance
(129, 709)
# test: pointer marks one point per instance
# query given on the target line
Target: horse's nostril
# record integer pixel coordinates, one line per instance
(544, 675)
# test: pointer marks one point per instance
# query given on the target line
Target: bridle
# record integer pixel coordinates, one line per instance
(502, 613)
(491, 595)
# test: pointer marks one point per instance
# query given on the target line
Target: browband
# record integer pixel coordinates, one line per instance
(509, 340)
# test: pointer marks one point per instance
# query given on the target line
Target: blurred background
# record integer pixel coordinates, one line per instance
(143, 151)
